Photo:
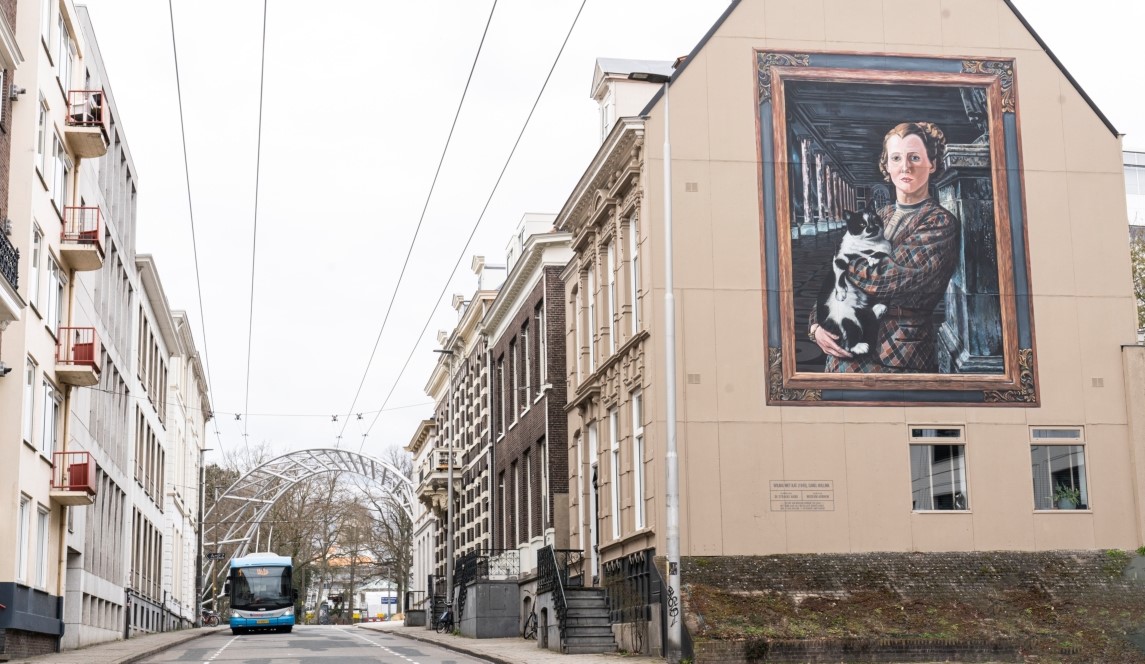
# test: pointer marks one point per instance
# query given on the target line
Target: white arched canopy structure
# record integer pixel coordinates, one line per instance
(235, 517)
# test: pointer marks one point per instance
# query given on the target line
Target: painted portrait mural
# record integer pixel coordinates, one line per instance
(894, 231)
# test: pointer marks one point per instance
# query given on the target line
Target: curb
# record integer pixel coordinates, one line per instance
(443, 644)
(196, 633)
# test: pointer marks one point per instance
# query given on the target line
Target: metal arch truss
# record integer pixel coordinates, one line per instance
(246, 502)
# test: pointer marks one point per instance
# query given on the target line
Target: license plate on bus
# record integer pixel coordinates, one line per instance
(262, 622)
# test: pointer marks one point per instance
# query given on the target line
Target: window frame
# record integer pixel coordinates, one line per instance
(28, 412)
(634, 268)
(614, 471)
(638, 516)
(610, 277)
(931, 437)
(1079, 478)
(43, 530)
(22, 542)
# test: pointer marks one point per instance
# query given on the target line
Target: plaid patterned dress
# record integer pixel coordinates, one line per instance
(911, 283)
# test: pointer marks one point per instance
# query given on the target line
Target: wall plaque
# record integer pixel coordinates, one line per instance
(802, 495)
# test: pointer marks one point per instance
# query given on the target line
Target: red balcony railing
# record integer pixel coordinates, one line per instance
(86, 108)
(78, 346)
(73, 471)
(82, 225)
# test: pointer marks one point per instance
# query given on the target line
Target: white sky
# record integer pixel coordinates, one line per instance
(357, 104)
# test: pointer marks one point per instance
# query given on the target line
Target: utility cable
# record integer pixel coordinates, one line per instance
(417, 231)
(190, 206)
(480, 217)
(254, 234)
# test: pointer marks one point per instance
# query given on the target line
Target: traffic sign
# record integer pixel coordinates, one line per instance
(216, 555)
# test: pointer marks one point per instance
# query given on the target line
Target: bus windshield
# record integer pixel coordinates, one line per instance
(266, 587)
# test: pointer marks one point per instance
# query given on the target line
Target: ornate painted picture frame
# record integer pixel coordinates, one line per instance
(894, 236)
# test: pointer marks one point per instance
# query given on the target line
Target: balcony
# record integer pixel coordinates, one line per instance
(81, 241)
(433, 491)
(87, 125)
(73, 478)
(10, 302)
(77, 356)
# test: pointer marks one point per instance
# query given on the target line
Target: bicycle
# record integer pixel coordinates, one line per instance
(210, 618)
(444, 622)
(530, 631)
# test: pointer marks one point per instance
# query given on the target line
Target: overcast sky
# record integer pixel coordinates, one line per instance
(357, 103)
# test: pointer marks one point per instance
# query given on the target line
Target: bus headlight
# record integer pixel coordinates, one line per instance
(289, 612)
(235, 614)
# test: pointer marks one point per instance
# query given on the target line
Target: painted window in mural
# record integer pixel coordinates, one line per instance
(892, 214)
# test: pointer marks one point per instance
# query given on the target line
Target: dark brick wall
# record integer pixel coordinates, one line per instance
(528, 433)
(18, 644)
(858, 650)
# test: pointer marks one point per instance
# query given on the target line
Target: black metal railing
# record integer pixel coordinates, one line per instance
(633, 586)
(553, 571)
(9, 261)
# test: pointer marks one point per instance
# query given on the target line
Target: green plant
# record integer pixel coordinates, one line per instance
(1068, 494)
(1141, 550)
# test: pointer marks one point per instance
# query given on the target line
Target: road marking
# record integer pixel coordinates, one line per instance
(220, 650)
(354, 632)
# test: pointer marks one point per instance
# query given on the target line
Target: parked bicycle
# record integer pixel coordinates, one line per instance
(444, 622)
(210, 618)
(530, 631)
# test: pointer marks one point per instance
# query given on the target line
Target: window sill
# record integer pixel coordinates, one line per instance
(942, 511)
(1073, 511)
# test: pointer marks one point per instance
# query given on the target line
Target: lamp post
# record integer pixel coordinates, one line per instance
(671, 460)
(449, 489)
(199, 558)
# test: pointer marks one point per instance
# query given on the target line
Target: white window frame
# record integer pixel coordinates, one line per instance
(634, 272)
(578, 323)
(28, 428)
(610, 260)
(528, 496)
(516, 504)
(42, 529)
(50, 426)
(528, 388)
(65, 53)
(34, 281)
(42, 139)
(637, 460)
(1072, 438)
(516, 382)
(22, 543)
(591, 318)
(503, 424)
(46, 26)
(542, 347)
(614, 446)
(57, 293)
(578, 442)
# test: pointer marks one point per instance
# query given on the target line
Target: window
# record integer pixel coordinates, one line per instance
(614, 444)
(578, 323)
(501, 393)
(42, 547)
(528, 367)
(591, 298)
(611, 277)
(61, 171)
(528, 496)
(42, 135)
(634, 274)
(57, 283)
(516, 504)
(51, 419)
(29, 400)
(542, 347)
(515, 368)
(580, 497)
(638, 460)
(34, 281)
(938, 477)
(46, 24)
(22, 539)
(1059, 473)
(65, 51)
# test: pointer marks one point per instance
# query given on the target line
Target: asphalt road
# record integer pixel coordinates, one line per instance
(311, 644)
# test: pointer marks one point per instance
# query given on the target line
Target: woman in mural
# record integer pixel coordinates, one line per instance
(912, 280)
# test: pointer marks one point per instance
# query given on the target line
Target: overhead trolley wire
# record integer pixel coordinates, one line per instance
(417, 231)
(480, 217)
(254, 234)
(190, 206)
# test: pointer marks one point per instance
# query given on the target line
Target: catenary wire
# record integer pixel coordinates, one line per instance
(254, 233)
(480, 217)
(190, 206)
(428, 197)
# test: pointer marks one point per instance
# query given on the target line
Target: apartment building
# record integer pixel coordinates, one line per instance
(525, 325)
(55, 124)
(994, 413)
(427, 511)
(11, 304)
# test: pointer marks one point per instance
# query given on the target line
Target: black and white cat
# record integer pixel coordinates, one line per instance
(842, 309)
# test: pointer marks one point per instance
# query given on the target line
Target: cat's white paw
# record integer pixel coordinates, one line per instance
(879, 310)
(873, 261)
(840, 294)
(860, 349)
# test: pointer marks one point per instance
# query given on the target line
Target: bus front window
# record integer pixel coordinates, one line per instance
(256, 588)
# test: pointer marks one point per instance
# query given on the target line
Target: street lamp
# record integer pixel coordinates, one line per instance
(449, 490)
(199, 558)
(671, 460)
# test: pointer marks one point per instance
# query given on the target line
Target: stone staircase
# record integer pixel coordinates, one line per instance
(587, 627)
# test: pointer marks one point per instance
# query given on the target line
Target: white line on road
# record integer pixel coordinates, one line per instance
(220, 650)
(353, 631)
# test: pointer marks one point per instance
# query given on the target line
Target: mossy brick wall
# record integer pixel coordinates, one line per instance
(17, 644)
(858, 650)
(957, 575)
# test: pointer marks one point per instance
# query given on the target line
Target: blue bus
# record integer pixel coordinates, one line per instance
(262, 597)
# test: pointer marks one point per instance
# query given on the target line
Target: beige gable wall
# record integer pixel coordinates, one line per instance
(732, 444)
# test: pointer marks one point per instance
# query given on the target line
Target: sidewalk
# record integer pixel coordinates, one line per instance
(122, 652)
(512, 650)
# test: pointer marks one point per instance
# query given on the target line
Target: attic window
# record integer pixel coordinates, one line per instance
(927, 433)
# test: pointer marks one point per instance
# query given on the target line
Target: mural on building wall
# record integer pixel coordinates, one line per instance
(895, 247)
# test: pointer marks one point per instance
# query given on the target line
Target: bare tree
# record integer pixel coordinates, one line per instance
(391, 543)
